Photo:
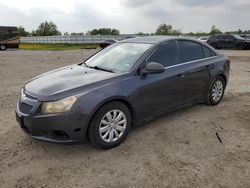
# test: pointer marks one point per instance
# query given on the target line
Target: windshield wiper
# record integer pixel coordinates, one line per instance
(98, 68)
(103, 69)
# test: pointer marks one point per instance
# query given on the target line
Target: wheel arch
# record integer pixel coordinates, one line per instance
(113, 99)
(224, 77)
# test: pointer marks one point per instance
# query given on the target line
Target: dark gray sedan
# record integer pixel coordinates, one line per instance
(126, 83)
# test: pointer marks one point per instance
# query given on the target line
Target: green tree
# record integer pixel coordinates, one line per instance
(94, 32)
(215, 30)
(239, 31)
(104, 31)
(176, 32)
(47, 29)
(22, 32)
(115, 32)
(140, 33)
(143, 34)
(164, 29)
(33, 33)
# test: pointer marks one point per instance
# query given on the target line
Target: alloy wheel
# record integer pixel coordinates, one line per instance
(217, 90)
(112, 125)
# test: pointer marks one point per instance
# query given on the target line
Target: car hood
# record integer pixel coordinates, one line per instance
(65, 81)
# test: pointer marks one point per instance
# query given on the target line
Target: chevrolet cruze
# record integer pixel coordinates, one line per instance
(129, 82)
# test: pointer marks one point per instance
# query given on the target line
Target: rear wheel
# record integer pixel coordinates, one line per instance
(3, 47)
(216, 91)
(110, 125)
(240, 47)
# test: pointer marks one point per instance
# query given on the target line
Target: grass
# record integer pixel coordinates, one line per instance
(55, 47)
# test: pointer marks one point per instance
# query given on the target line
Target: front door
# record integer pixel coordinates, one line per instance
(161, 92)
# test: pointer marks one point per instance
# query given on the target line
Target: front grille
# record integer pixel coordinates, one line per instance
(25, 108)
(26, 102)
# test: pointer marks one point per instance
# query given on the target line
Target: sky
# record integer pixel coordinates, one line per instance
(129, 16)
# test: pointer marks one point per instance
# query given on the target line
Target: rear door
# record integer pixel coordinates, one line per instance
(231, 41)
(160, 92)
(221, 41)
(193, 61)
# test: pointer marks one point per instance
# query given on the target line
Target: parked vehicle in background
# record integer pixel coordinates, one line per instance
(9, 37)
(126, 83)
(203, 39)
(247, 39)
(247, 36)
(105, 43)
(227, 41)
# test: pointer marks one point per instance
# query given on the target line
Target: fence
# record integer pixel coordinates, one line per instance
(73, 39)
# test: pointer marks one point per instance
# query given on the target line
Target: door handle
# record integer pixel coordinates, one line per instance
(180, 76)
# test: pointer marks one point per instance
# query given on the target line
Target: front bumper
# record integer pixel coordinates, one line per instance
(67, 127)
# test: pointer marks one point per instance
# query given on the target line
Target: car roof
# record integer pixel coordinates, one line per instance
(223, 35)
(154, 39)
(149, 39)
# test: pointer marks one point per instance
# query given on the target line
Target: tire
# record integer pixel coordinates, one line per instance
(240, 46)
(216, 91)
(3, 47)
(103, 123)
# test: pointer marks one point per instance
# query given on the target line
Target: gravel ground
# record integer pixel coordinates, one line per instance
(176, 150)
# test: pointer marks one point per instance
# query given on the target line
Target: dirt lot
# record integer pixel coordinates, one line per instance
(177, 150)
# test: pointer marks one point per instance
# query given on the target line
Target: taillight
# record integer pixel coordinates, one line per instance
(228, 61)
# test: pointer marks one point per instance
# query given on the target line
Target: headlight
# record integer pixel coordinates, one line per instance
(59, 106)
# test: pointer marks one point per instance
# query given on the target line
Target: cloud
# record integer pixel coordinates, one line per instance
(129, 16)
(137, 3)
(200, 3)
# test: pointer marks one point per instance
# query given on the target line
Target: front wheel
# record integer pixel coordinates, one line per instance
(216, 91)
(110, 125)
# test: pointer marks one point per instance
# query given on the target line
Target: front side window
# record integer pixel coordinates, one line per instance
(119, 57)
(166, 54)
(190, 51)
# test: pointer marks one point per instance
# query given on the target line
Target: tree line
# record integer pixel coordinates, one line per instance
(49, 28)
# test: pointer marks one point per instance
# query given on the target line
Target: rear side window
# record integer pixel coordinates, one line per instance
(207, 52)
(166, 54)
(190, 51)
(222, 37)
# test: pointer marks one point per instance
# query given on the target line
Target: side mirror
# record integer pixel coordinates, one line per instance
(153, 68)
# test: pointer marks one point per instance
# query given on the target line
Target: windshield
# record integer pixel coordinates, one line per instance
(238, 37)
(118, 57)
